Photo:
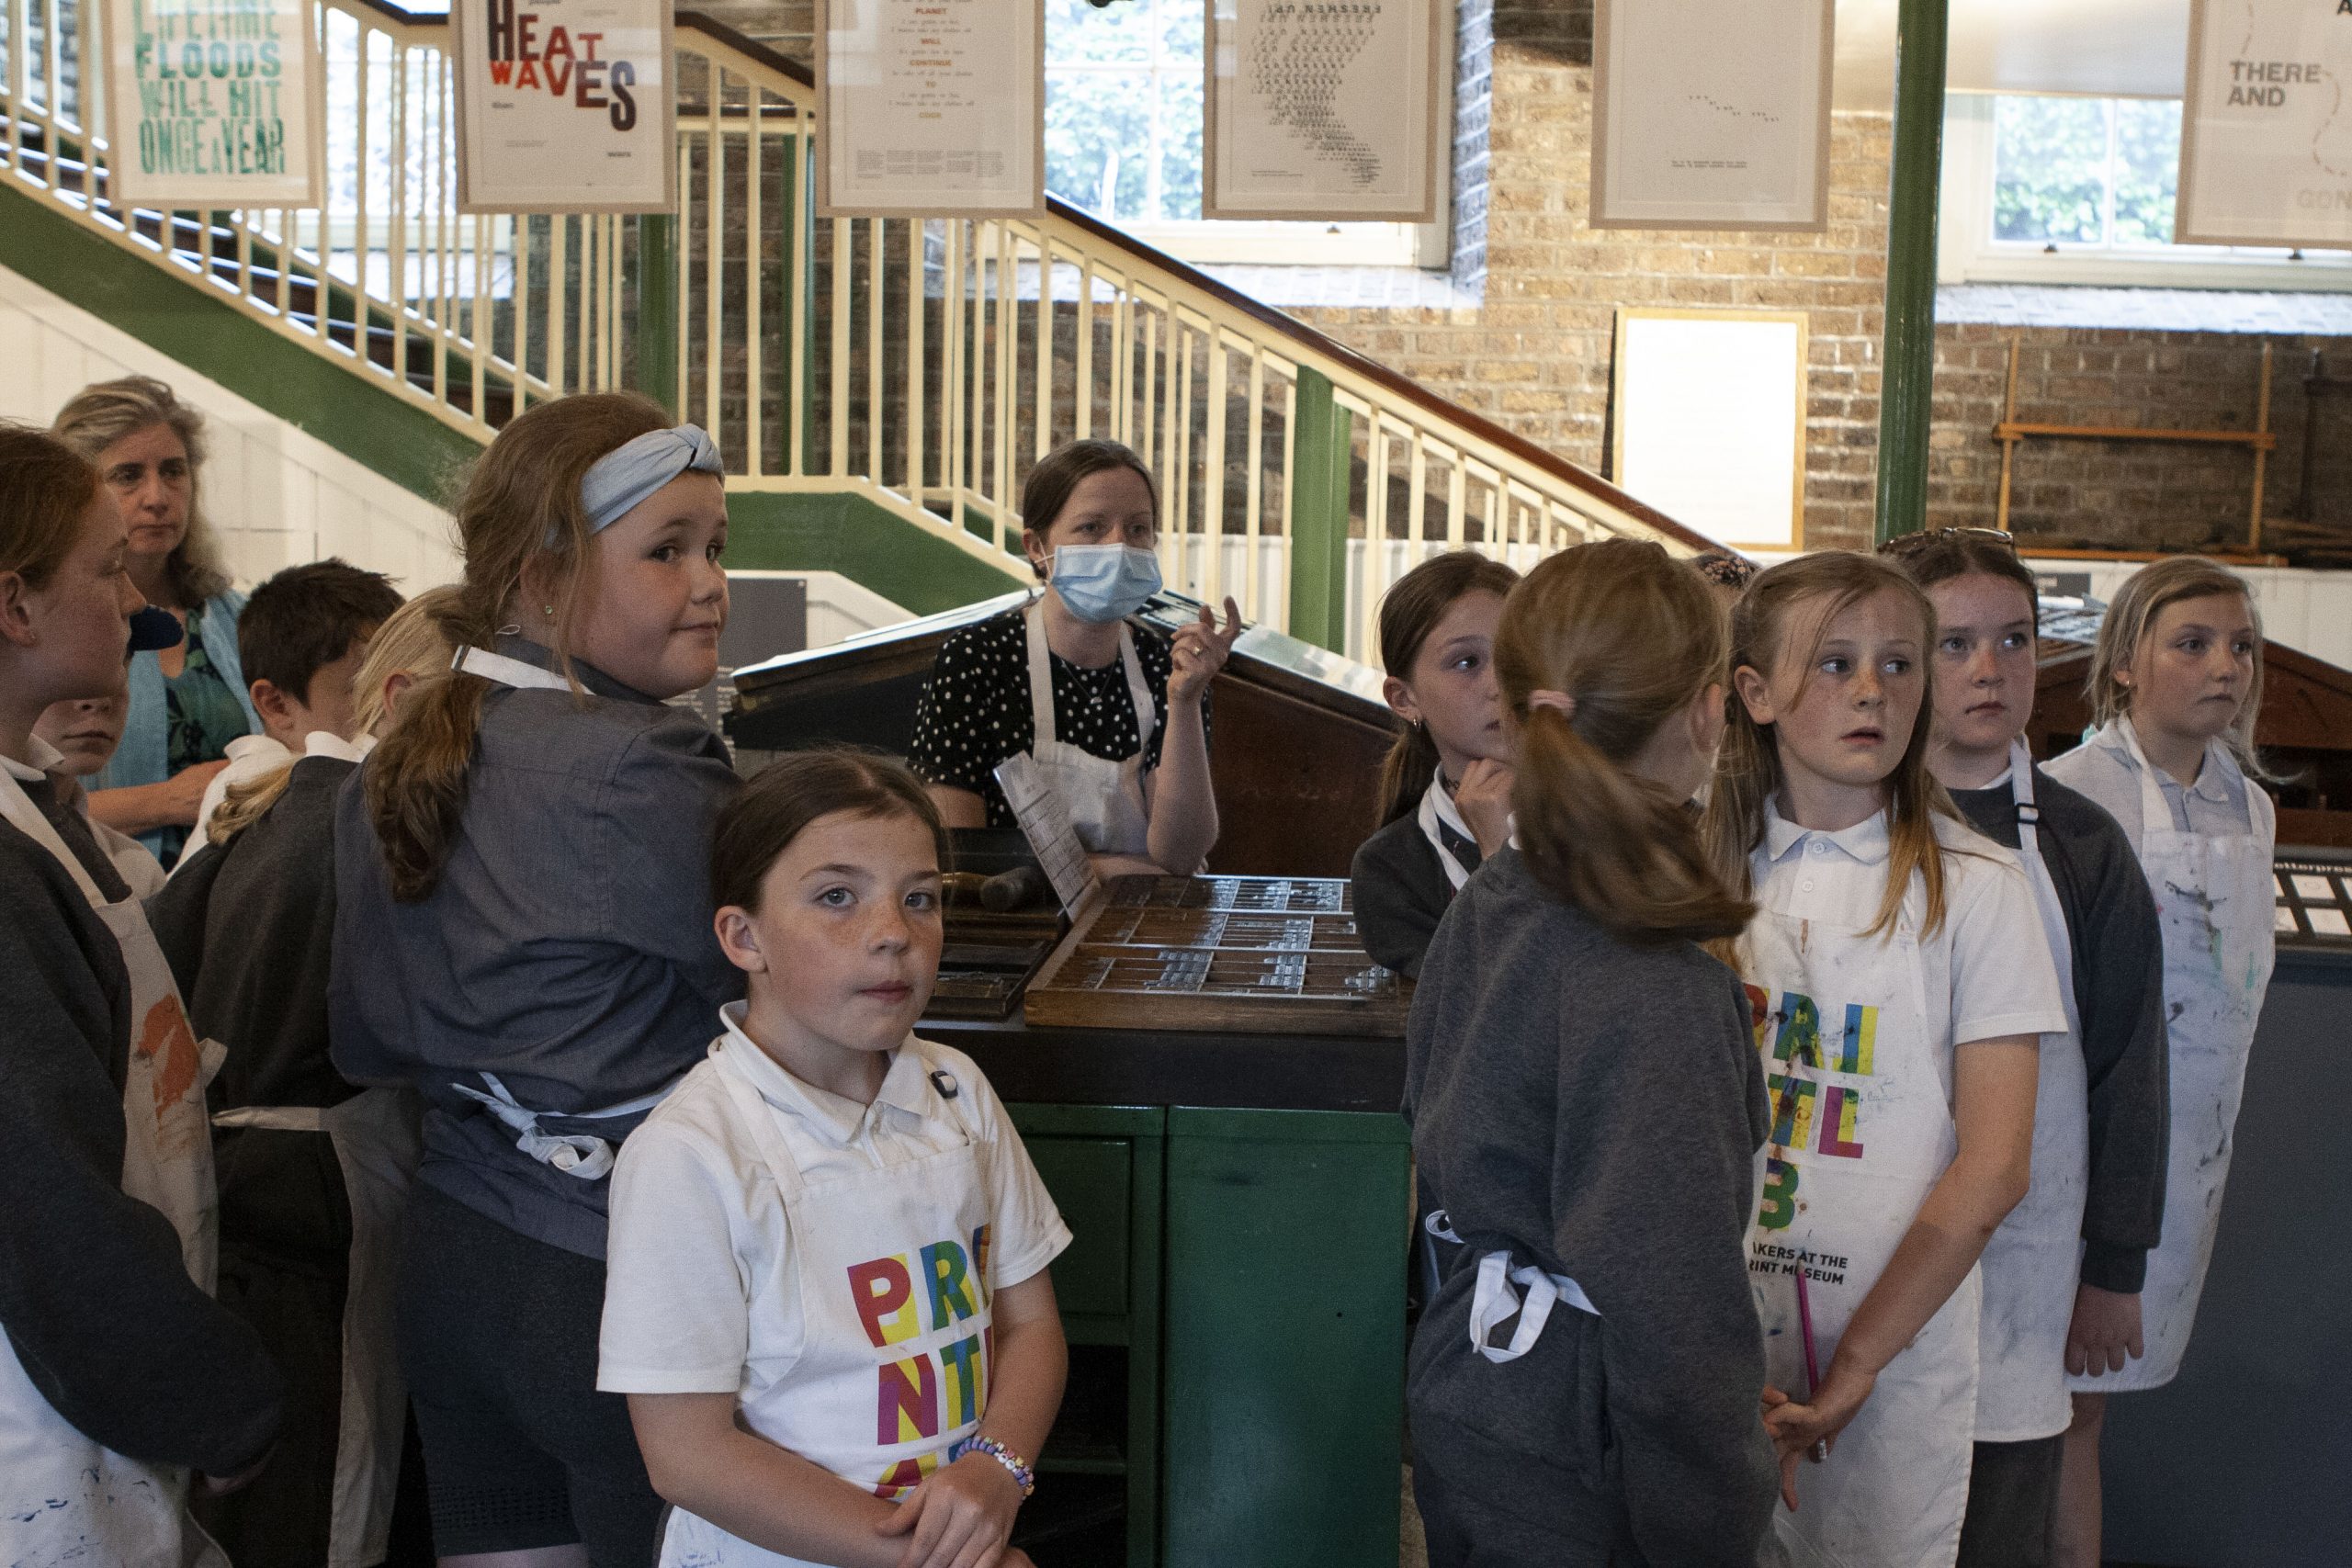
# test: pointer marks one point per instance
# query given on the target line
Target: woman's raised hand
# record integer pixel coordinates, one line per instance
(1200, 652)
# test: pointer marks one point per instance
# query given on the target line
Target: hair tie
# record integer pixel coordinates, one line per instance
(1560, 703)
(625, 476)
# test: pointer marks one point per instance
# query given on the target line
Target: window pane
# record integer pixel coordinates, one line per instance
(2147, 167)
(1180, 25)
(2050, 170)
(1179, 147)
(1076, 33)
(1098, 136)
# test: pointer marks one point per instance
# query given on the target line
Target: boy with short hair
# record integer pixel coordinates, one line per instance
(300, 639)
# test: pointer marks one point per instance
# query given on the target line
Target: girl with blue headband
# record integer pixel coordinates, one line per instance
(522, 934)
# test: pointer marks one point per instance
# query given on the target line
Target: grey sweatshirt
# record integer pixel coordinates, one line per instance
(1595, 1106)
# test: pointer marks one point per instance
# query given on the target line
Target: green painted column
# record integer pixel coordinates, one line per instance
(1319, 453)
(1907, 366)
(657, 309)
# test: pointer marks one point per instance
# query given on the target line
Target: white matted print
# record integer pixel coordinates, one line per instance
(930, 107)
(564, 105)
(1709, 417)
(213, 103)
(2265, 126)
(1326, 109)
(1711, 114)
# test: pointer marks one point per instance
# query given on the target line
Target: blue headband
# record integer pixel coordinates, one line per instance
(635, 469)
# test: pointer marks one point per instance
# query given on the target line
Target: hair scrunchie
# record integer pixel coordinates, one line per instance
(629, 473)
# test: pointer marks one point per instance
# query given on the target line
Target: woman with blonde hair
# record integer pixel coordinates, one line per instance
(2175, 687)
(189, 701)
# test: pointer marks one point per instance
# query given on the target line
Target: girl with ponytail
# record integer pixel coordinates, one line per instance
(1587, 1107)
(522, 934)
(1899, 984)
(1445, 788)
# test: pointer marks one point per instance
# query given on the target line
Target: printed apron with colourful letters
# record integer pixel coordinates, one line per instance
(2215, 898)
(65, 1499)
(894, 1290)
(1861, 1129)
(2034, 1261)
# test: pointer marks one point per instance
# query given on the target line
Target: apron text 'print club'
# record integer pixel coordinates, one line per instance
(1810, 1115)
(944, 1384)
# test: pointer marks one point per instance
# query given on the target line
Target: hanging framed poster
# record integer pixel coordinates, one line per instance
(1711, 114)
(930, 107)
(1327, 110)
(2265, 128)
(214, 103)
(1709, 408)
(568, 106)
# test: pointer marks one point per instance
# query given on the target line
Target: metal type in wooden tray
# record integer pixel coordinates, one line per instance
(1261, 955)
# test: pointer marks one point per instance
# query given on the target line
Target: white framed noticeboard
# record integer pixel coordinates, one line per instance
(1326, 110)
(214, 103)
(930, 107)
(1711, 114)
(2266, 124)
(1709, 408)
(565, 106)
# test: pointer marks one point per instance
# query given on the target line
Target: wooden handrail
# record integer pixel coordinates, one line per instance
(1288, 327)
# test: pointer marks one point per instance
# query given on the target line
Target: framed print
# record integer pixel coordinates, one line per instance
(1733, 135)
(2266, 132)
(1327, 110)
(214, 103)
(930, 107)
(568, 106)
(1709, 407)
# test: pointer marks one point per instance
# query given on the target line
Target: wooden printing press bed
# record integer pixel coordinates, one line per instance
(1207, 1072)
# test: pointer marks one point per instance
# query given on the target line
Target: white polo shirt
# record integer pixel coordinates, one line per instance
(1988, 970)
(702, 1292)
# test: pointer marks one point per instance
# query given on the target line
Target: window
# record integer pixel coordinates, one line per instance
(1123, 141)
(2043, 189)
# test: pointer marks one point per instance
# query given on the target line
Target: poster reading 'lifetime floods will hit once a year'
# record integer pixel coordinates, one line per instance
(2265, 129)
(213, 103)
(564, 105)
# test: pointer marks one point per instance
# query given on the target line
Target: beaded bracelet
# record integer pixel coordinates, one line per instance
(1022, 1475)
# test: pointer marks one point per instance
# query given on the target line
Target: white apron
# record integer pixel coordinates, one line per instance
(2034, 1261)
(1438, 806)
(1110, 803)
(893, 1281)
(2214, 901)
(63, 1498)
(1862, 1129)
(374, 1134)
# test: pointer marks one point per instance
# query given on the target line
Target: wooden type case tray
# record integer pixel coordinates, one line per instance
(1259, 954)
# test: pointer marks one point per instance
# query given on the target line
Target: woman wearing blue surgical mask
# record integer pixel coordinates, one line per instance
(1114, 714)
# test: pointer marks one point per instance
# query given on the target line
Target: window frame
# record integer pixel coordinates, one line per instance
(1967, 253)
(1208, 240)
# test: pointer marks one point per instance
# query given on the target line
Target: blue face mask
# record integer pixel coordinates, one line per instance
(1101, 583)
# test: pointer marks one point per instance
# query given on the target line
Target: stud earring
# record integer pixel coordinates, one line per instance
(547, 610)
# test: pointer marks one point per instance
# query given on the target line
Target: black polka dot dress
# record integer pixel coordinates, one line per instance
(975, 709)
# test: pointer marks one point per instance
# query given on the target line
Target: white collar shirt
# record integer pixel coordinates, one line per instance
(41, 759)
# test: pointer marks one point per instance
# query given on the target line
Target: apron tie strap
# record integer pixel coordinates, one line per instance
(1496, 1301)
(579, 1155)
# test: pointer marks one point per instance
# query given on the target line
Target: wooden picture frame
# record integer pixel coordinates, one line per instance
(1420, 196)
(1700, 430)
(981, 117)
(589, 133)
(1671, 147)
(125, 118)
(2305, 124)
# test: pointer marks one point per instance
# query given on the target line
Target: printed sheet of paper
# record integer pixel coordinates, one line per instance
(2265, 128)
(1045, 819)
(213, 103)
(1326, 109)
(1710, 415)
(930, 107)
(1711, 114)
(564, 105)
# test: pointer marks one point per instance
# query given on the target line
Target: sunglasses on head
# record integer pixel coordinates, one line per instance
(1904, 544)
